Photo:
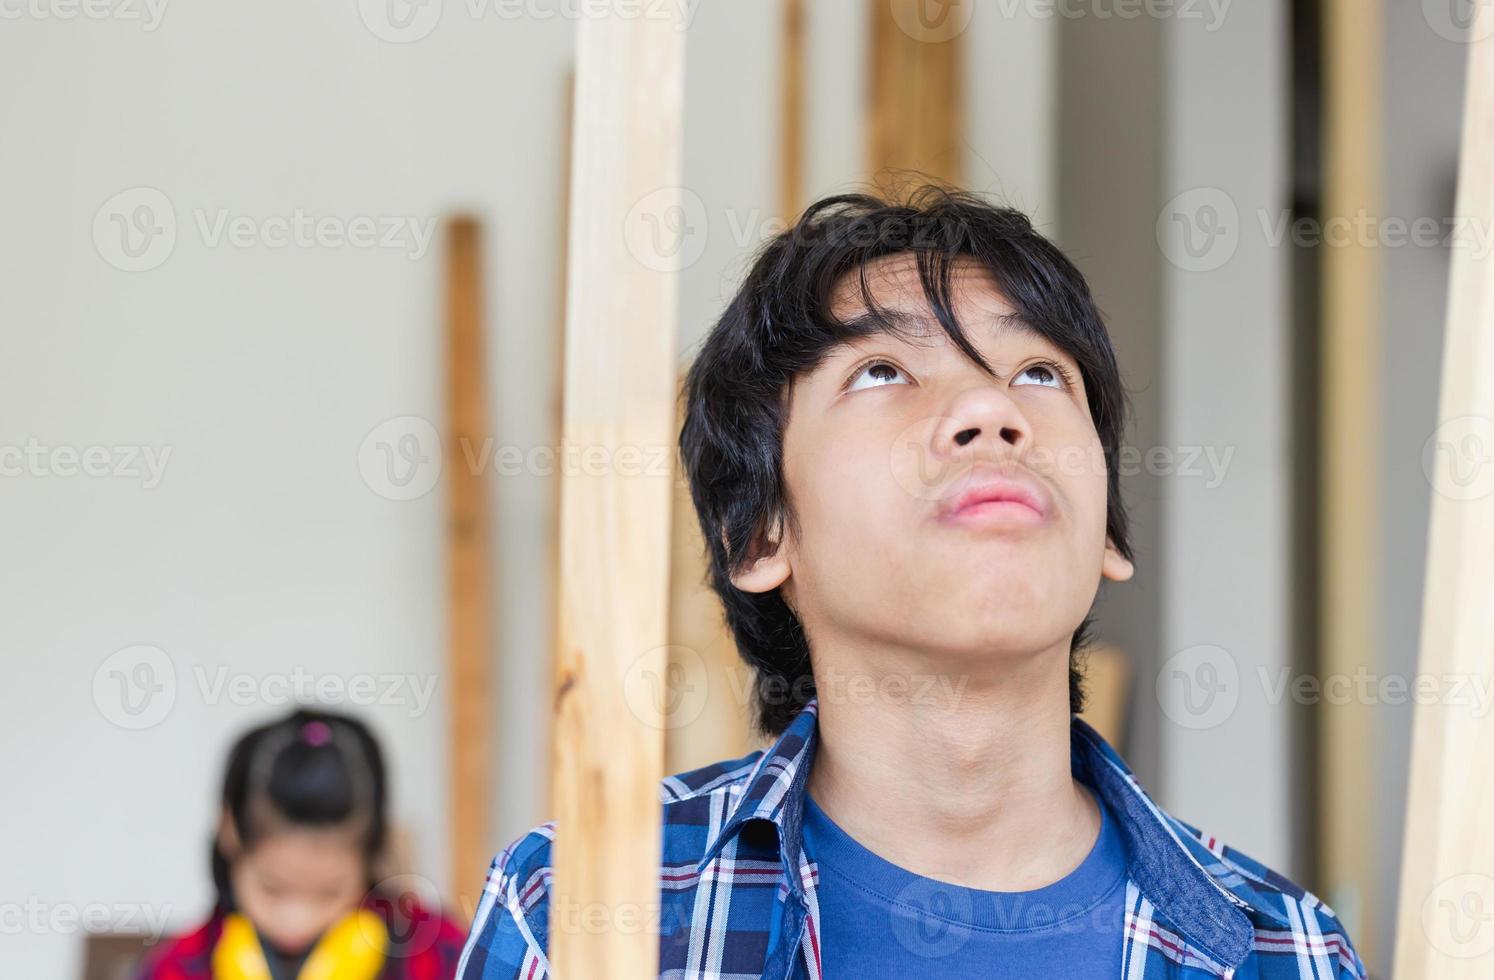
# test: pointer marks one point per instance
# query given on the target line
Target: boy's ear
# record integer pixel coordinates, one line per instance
(1115, 566)
(769, 569)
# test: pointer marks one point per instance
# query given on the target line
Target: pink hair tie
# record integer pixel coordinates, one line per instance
(316, 733)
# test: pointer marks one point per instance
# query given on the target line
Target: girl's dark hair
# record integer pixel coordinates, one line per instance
(779, 324)
(312, 768)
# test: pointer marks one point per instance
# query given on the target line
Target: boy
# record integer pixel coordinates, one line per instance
(901, 440)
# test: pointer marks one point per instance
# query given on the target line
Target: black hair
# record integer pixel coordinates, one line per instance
(779, 325)
(312, 768)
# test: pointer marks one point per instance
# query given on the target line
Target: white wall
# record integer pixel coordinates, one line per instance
(262, 550)
(1230, 763)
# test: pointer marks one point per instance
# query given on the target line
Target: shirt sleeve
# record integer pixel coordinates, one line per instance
(507, 940)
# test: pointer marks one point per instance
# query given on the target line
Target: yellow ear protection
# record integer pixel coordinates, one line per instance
(353, 949)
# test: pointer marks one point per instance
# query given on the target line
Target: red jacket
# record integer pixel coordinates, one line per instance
(423, 945)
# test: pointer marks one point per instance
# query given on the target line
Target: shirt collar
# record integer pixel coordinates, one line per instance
(775, 793)
(1169, 867)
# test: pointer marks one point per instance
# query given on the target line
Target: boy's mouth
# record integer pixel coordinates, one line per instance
(992, 496)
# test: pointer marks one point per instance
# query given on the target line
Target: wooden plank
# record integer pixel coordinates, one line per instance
(1107, 684)
(1444, 927)
(791, 112)
(1349, 507)
(558, 379)
(917, 104)
(709, 685)
(614, 520)
(466, 564)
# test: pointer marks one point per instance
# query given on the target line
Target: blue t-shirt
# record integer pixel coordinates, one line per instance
(878, 920)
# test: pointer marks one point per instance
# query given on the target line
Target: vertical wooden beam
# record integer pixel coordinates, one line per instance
(791, 113)
(917, 104)
(1107, 682)
(467, 566)
(558, 382)
(708, 684)
(1445, 929)
(1349, 517)
(614, 520)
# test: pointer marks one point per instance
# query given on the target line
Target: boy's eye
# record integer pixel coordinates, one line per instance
(876, 374)
(1049, 375)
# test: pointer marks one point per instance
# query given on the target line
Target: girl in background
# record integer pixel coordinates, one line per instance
(296, 863)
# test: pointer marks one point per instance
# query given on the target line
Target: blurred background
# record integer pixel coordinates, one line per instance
(224, 384)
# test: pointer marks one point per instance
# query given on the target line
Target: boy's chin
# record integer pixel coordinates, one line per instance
(987, 634)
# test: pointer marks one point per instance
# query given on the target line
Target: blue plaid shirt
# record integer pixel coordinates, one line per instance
(737, 892)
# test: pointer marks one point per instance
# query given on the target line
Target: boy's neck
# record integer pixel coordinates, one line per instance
(970, 784)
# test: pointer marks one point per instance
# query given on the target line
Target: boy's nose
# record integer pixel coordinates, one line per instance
(981, 412)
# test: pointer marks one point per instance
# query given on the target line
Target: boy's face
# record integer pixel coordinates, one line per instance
(886, 439)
